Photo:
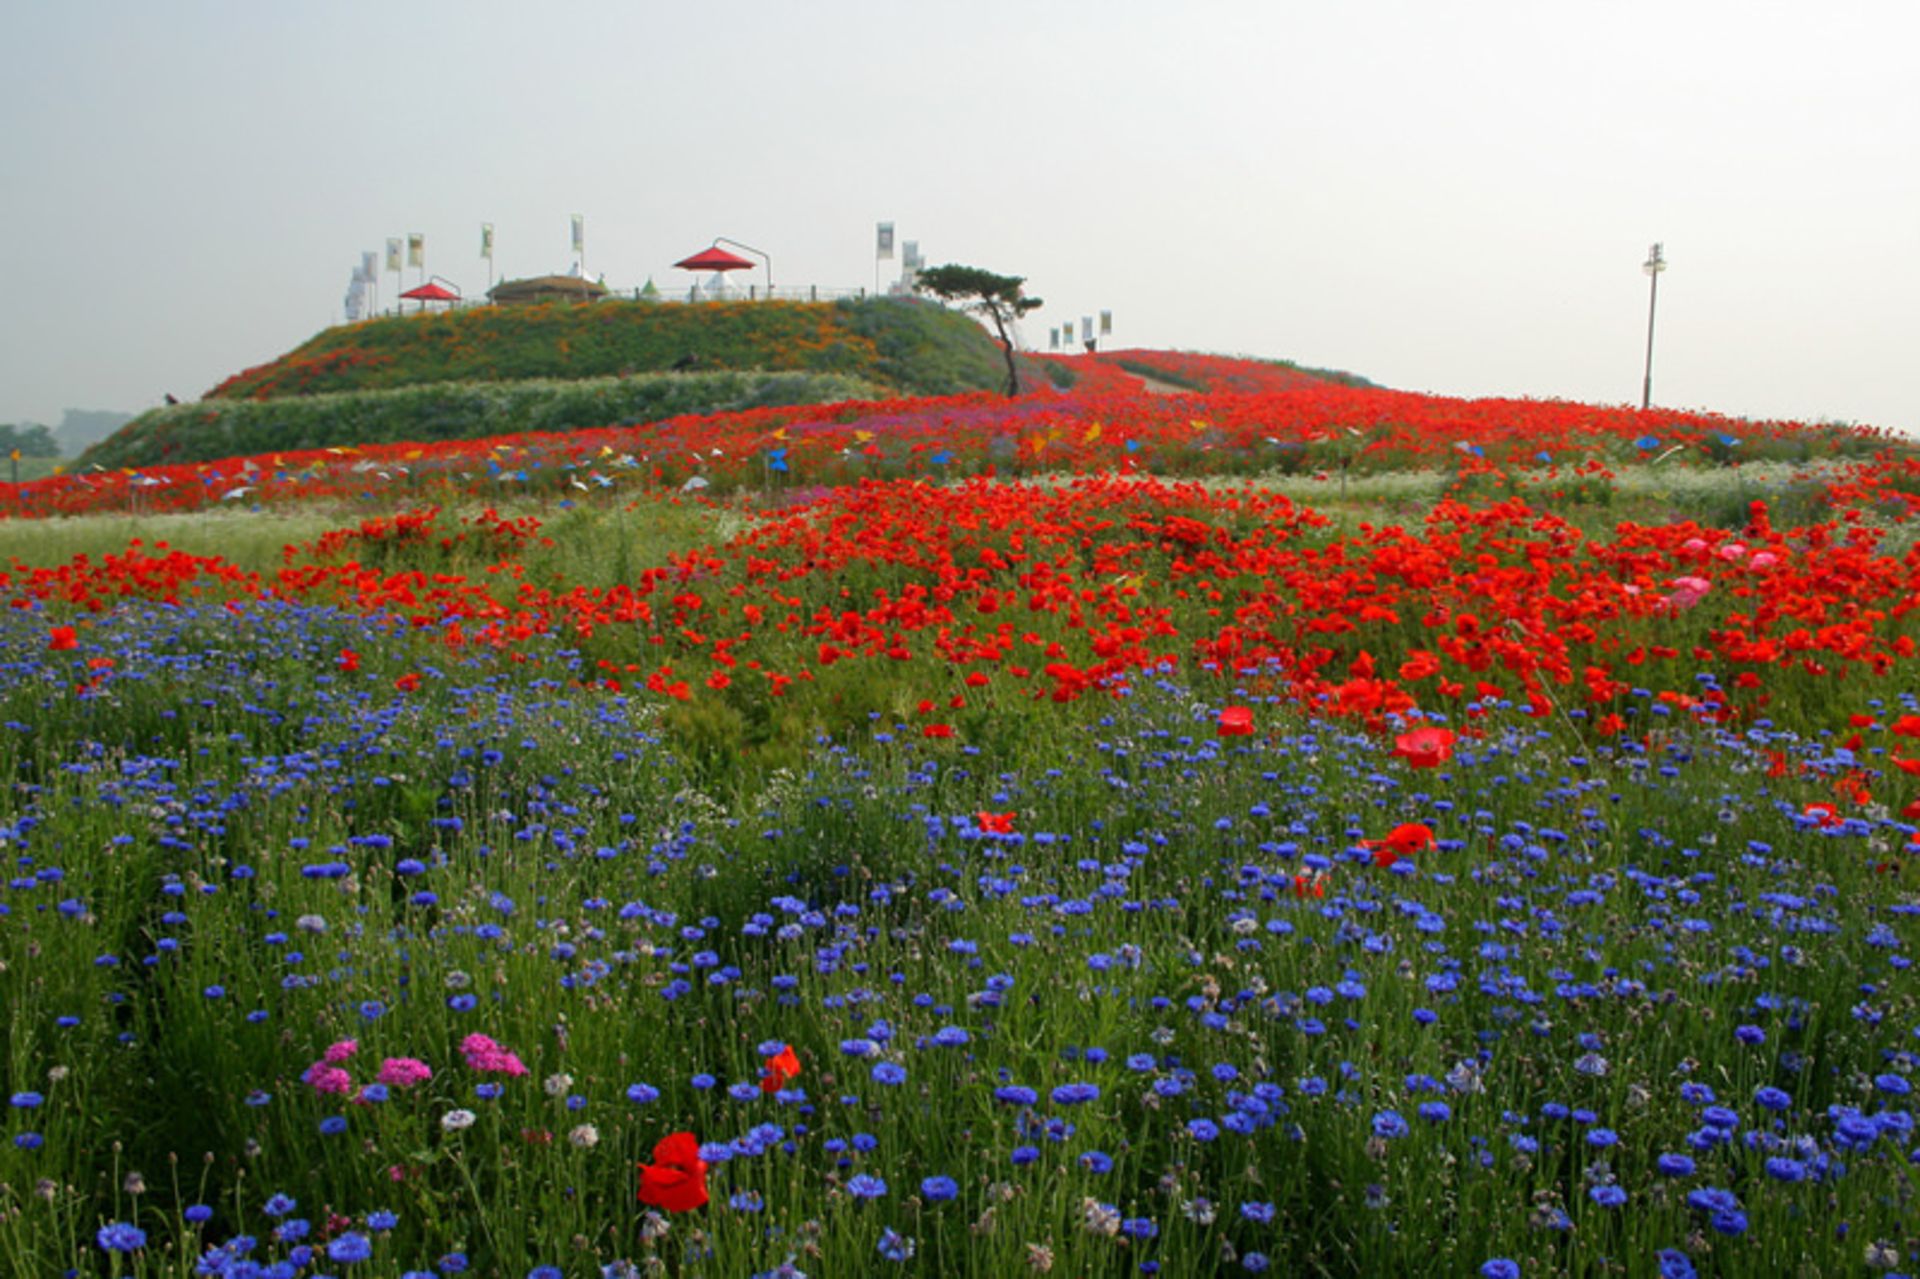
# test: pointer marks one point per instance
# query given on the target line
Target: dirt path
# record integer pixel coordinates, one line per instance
(1154, 386)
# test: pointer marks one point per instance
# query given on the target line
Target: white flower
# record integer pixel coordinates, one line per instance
(311, 923)
(557, 1085)
(585, 1137)
(455, 1120)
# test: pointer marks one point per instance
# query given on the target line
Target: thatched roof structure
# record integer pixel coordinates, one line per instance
(547, 288)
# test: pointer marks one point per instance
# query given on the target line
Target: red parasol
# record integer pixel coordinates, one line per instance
(431, 291)
(715, 259)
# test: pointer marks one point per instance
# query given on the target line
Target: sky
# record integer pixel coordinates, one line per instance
(1454, 198)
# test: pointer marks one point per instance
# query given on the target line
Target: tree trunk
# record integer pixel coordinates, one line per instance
(1006, 345)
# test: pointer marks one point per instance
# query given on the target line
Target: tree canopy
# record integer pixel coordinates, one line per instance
(997, 297)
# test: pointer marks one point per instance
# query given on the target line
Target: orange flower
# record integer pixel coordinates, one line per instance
(1425, 747)
(1401, 841)
(677, 1178)
(781, 1067)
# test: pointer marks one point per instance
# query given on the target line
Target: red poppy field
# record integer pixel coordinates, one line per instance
(1264, 826)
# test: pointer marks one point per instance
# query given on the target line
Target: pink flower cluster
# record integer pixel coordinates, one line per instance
(482, 1053)
(329, 1075)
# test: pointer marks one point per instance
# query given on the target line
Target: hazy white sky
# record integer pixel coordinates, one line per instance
(1453, 197)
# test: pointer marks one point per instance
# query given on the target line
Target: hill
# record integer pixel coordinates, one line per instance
(557, 367)
(915, 347)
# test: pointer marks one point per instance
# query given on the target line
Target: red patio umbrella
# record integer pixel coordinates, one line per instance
(715, 259)
(431, 291)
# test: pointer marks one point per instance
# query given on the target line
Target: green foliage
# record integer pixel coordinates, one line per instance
(30, 438)
(877, 339)
(451, 411)
(998, 298)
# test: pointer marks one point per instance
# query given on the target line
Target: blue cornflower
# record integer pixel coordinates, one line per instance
(545, 1272)
(1097, 1161)
(642, 1094)
(1608, 1196)
(894, 1246)
(280, 1205)
(197, 1213)
(866, 1186)
(1024, 1155)
(1075, 1094)
(333, 1125)
(1015, 1095)
(1203, 1129)
(1257, 1212)
(1500, 1268)
(939, 1189)
(1675, 1165)
(27, 1100)
(382, 1220)
(121, 1236)
(349, 1248)
(1675, 1264)
(886, 1072)
(1388, 1123)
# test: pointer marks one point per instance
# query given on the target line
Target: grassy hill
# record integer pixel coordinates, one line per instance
(916, 347)
(556, 367)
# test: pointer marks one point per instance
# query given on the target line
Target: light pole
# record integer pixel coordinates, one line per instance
(1656, 263)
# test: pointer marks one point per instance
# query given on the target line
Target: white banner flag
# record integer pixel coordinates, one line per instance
(1053, 339)
(393, 254)
(416, 249)
(910, 255)
(884, 247)
(1086, 328)
(486, 240)
(1106, 323)
(369, 266)
(579, 234)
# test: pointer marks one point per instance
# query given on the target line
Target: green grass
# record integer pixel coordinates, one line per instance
(916, 346)
(432, 412)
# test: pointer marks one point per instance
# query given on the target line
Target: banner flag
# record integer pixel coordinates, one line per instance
(1086, 328)
(579, 234)
(393, 254)
(486, 240)
(1106, 323)
(1053, 339)
(369, 267)
(416, 249)
(885, 246)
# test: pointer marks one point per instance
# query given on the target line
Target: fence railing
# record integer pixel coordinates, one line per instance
(694, 294)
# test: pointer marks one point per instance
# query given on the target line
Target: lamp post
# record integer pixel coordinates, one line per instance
(1656, 263)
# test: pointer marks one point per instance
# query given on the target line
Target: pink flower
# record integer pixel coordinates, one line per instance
(1688, 591)
(1732, 551)
(328, 1079)
(403, 1072)
(483, 1053)
(1765, 559)
(339, 1052)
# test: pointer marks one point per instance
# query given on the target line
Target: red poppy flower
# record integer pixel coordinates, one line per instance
(937, 730)
(1425, 747)
(677, 1178)
(410, 682)
(348, 660)
(1401, 841)
(1828, 815)
(780, 1067)
(62, 638)
(1236, 721)
(995, 823)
